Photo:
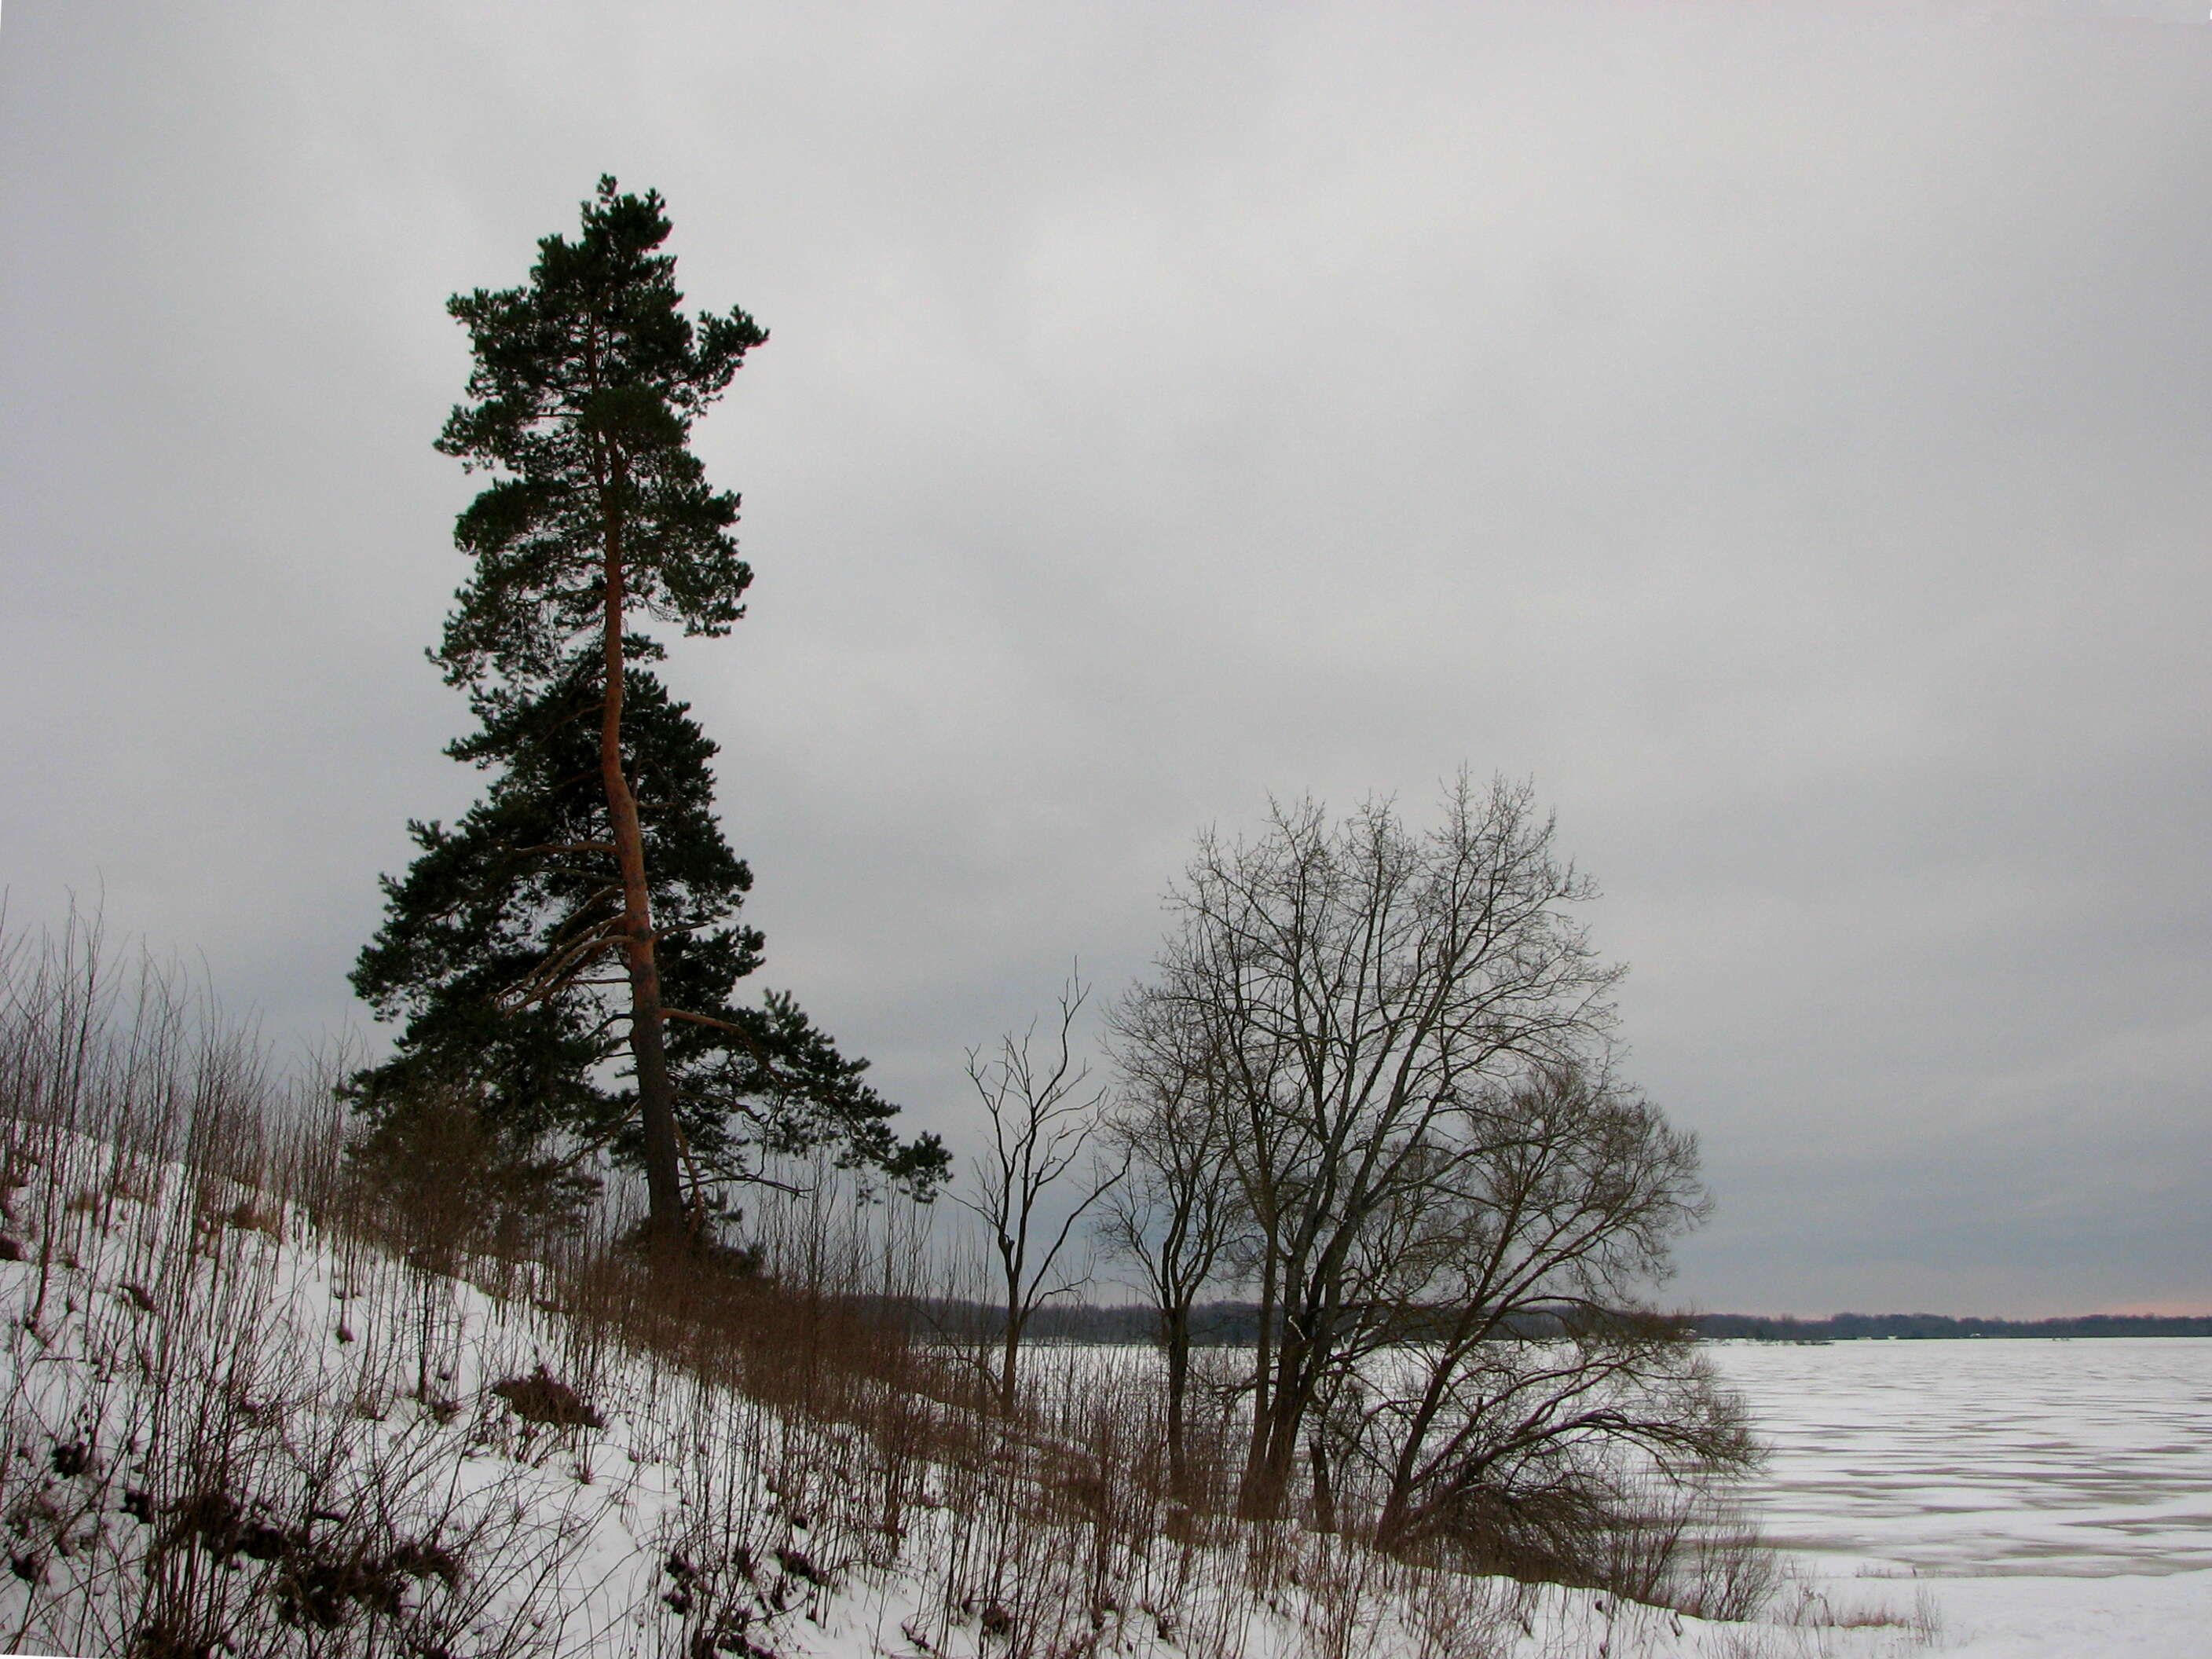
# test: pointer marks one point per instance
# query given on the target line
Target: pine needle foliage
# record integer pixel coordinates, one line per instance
(568, 954)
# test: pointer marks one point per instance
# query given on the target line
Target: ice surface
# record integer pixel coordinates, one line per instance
(2054, 1496)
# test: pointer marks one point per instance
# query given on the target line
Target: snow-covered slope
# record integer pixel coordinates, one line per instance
(232, 1426)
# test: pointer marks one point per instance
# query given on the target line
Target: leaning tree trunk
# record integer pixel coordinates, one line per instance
(656, 1096)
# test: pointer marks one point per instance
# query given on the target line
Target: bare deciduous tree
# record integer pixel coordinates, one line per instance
(1043, 1119)
(1175, 1214)
(1444, 1203)
(1511, 1385)
(1359, 981)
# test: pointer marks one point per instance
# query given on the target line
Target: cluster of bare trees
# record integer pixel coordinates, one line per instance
(1369, 1086)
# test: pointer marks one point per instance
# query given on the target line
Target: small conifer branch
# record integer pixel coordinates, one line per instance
(542, 985)
(698, 1185)
(737, 1170)
(751, 1043)
(737, 1032)
(734, 1103)
(590, 1148)
(760, 1178)
(612, 891)
(554, 974)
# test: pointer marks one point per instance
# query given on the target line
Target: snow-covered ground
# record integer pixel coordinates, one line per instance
(2053, 1499)
(217, 1405)
(230, 1429)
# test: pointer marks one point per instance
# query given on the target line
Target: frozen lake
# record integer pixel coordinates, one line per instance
(2060, 1492)
(2051, 1499)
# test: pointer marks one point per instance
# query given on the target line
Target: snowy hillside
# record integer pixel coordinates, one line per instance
(267, 1389)
(233, 1425)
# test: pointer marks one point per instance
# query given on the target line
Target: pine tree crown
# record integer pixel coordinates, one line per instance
(586, 382)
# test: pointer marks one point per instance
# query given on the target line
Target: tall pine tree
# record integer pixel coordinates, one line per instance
(584, 913)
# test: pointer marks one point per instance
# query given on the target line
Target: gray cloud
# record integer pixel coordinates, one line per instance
(1783, 436)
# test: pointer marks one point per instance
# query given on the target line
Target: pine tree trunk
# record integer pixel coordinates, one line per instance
(656, 1097)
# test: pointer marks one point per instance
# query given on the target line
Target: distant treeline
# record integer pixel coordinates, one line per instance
(1212, 1325)
(1850, 1326)
(1237, 1324)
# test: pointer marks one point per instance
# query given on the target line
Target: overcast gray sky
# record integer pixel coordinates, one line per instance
(1780, 431)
